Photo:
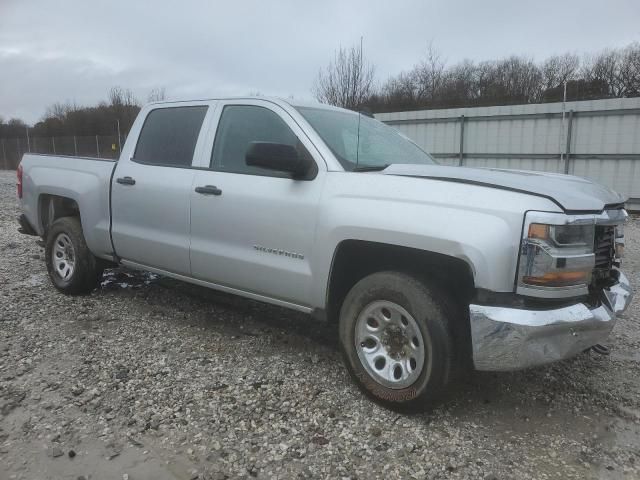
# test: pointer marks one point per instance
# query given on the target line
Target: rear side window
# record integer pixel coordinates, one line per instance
(169, 136)
(238, 127)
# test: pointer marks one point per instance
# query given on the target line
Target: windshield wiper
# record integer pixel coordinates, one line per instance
(370, 168)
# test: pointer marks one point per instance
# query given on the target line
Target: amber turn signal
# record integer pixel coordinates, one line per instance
(539, 231)
(559, 279)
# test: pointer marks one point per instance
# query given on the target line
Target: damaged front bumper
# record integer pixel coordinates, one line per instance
(506, 338)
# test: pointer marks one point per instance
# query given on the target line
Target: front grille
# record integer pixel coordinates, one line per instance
(605, 247)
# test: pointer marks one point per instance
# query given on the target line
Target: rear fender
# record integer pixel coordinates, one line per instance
(89, 191)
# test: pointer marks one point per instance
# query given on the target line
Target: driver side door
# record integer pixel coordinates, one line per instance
(253, 229)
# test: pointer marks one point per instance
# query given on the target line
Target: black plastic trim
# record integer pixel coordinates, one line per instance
(25, 226)
(113, 247)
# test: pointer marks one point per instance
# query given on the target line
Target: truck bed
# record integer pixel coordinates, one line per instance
(85, 180)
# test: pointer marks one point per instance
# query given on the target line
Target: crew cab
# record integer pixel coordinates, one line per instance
(425, 269)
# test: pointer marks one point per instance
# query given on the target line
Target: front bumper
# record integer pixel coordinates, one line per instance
(506, 338)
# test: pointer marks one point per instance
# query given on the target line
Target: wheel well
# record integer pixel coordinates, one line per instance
(52, 207)
(355, 259)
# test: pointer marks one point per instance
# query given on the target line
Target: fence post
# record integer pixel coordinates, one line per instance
(97, 146)
(567, 154)
(4, 156)
(75, 145)
(53, 142)
(461, 154)
(119, 144)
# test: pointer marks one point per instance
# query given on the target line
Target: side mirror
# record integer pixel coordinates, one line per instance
(279, 157)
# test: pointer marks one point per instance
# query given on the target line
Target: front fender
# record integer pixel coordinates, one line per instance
(487, 243)
(479, 225)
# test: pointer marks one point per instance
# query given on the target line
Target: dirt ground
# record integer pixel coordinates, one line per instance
(150, 378)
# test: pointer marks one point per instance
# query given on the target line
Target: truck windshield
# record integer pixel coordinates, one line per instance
(361, 143)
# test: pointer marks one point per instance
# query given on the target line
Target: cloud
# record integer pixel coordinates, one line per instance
(76, 50)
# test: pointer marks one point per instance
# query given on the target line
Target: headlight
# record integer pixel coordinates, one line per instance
(556, 255)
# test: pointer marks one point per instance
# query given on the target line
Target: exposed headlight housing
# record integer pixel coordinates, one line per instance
(556, 255)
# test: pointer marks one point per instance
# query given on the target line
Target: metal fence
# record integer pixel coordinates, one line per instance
(598, 139)
(100, 146)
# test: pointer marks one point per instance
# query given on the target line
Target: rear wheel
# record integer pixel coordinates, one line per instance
(72, 267)
(396, 339)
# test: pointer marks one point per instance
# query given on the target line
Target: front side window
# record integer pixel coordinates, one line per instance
(358, 141)
(239, 126)
(169, 136)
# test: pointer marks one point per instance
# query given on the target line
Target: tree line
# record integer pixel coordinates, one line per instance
(69, 119)
(349, 80)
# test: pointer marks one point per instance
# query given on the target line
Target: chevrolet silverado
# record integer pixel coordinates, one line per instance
(425, 269)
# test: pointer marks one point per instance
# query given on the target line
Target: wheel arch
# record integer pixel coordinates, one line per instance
(355, 259)
(51, 207)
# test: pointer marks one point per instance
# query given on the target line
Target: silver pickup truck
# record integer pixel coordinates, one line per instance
(425, 269)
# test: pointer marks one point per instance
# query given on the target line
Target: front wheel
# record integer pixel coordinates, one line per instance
(395, 336)
(72, 267)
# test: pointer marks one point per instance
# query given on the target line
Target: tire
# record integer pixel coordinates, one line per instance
(72, 267)
(394, 316)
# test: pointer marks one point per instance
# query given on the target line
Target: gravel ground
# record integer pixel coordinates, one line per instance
(152, 378)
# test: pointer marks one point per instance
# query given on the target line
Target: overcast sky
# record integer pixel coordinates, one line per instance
(75, 50)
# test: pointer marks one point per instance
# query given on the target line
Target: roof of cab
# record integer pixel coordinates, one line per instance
(277, 100)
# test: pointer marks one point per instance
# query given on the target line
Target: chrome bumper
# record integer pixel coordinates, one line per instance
(511, 339)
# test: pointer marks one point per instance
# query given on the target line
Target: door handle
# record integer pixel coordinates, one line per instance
(126, 181)
(209, 190)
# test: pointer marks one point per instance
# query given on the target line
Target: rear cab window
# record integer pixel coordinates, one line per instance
(169, 135)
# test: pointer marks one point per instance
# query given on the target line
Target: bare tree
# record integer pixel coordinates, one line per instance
(558, 69)
(633, 56)
(123, 108)
(157, 94)
(461, 84)
(629, 70)
(429, 84)
(421, 85)
(59, 110)
(616, 71)
(402, 89)
(429, 75)
(513, 79)
(347, 81)
(119, 97)
(602, 68)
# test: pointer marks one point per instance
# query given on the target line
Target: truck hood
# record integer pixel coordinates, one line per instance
(569, 192)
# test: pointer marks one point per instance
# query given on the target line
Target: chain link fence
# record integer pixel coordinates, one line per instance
(98, 146)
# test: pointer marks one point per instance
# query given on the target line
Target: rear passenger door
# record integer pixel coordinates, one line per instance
(151, 189)
(255, 230)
